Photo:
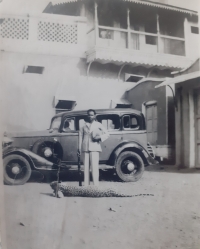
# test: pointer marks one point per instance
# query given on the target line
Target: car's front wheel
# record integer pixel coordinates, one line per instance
(129, 166)
(17, 170)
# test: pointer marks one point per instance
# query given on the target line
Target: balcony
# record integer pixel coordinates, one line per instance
(44, 34)
(139, 36)
(109, 44)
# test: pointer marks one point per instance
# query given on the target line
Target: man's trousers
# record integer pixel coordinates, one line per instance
(91, 160)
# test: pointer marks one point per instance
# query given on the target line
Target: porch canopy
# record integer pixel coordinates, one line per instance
(180, 79)
(144, 2)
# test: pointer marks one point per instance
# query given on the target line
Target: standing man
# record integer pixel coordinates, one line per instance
(90, 136)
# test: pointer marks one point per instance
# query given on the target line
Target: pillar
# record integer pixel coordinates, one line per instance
(191, 146)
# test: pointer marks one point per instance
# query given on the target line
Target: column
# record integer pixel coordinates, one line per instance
(128, 27)
(96, 23)
(191, 130)
(158, 33)
(178, 127)
(186, 35)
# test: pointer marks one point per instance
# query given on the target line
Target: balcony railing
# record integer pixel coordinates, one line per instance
(104, 36)
(50, 34)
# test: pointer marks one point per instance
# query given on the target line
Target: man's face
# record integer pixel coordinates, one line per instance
(91, 116)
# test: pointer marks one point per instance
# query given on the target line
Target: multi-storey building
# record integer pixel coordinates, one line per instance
(87, 54)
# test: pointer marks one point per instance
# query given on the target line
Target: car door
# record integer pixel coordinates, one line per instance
(131, 125)
(112, 123)
(69, 140)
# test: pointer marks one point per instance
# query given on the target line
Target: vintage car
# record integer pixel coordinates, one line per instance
(126, 150)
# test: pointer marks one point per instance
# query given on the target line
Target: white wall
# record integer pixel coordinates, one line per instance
(44, 34)
(27, 99)
(193, 42)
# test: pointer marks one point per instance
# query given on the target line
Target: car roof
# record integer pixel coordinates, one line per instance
(99, 111)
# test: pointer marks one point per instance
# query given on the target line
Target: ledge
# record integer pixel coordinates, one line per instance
(135, 57)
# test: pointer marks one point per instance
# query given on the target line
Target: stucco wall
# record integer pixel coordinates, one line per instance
(27, 98)
(185, 120)
(146, 92)
(193, 48)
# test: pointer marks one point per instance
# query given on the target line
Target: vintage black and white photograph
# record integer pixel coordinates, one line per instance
(100, 124)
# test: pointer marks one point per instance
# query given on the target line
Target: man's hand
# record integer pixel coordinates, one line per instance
(78, 153)
(97, 138)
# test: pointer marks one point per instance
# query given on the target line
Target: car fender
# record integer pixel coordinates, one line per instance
(36, 162)
(47, 139)
(133, 146)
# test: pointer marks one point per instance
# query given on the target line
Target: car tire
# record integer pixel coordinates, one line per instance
(129, 166)
(17, 170)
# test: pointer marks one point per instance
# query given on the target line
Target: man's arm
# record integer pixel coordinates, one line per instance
(105, 134)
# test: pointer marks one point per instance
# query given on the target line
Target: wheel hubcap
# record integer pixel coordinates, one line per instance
(130, 166)
(47, 152)
(16, 169)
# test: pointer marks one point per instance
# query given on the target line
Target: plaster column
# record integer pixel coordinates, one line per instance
(178, 127)
(191, 130)
(128, 27)
(96, 23)
(186, 35)
(33, 29)
(158, 33)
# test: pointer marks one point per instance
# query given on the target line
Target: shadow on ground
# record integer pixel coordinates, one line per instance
(109, 175)
(172, 169)
(70, 176)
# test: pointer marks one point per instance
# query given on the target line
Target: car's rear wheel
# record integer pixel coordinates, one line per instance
(17, 170)
(129, 166)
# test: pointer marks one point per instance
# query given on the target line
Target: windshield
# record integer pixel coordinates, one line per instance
(55, 125)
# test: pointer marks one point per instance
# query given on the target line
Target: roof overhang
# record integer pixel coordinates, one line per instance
(180, 79)
(120, 56)
(143, 2)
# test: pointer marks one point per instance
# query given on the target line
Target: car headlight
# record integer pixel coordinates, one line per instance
(6, 141)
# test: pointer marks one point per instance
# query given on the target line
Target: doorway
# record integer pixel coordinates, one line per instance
(152, 122)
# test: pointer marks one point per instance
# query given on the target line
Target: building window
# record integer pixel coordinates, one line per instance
(194, 30)
(151, 39)
(33, 69)
(110, 122)
(130, 122)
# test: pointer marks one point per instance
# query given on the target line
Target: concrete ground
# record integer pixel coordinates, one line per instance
(168, 220)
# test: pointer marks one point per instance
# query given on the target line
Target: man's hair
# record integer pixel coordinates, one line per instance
(91, 110)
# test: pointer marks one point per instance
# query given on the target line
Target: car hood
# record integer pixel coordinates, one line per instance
(29, 134)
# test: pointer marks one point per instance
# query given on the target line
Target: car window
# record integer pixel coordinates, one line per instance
(130, 122)
(55, 125)
(68, 125)
(110, 122)
(80, 121)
